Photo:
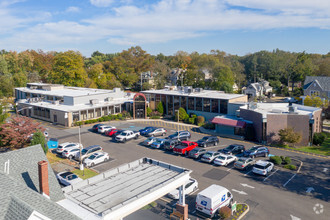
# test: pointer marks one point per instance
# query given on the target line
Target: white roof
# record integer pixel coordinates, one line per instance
(123, 190)
(203, 94)
(212, 190)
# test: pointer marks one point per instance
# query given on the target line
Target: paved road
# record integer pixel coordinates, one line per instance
(282, 195)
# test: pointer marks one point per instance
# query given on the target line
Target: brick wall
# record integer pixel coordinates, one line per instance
(256, 118)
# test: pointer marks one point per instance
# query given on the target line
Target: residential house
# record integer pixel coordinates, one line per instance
(317, 86)
(258, 89)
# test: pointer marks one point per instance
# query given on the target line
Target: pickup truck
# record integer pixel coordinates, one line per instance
(127, 135)
(185, 147)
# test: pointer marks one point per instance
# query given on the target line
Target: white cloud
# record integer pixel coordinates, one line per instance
(72, 9)
(101, 3)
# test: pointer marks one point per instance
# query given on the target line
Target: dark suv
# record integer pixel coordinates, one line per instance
(257, 151)
(181, 135)
(233, 149)
(208, 141)
(171, 143)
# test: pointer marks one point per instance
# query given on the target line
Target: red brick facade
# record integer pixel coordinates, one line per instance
(43, 177)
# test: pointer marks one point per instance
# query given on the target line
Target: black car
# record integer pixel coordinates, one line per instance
(208, 141)
(171, 143)
(95, 128)
(180, 135)
(233, 149)
(145, 130)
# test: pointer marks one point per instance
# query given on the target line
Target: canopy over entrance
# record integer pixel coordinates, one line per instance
(228, 122)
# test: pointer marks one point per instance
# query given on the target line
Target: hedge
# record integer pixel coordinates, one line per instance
(225, 212)
(276, 160)
(290, 167)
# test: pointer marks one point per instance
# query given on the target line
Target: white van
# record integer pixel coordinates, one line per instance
(212, 199)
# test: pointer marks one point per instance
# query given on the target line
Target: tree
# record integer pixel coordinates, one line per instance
(17, 132)
(182, 115)
(39, 138)
(146, 86)
(160, 108)
(308, 101)
(288, 135)
(3, 115)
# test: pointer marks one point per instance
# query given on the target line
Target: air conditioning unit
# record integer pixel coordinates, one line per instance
(94, 101)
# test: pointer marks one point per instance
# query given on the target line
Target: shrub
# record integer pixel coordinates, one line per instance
(287, 160)
(209, 126)
(225, 212)
(182, 115)
(239, 207)
(200, 120)
(290, 167)
(39, 138)
(149, 110)
(319, 138)
(101, 119)
(276, 160)
(160, 108)
(126, 114)
(192, 120)
(155, 117)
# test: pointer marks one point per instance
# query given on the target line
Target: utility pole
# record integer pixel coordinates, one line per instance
(81, 165)
(141, 81)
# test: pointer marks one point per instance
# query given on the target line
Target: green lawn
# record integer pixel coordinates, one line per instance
(324, 149)
(52, 158)
(87, 173)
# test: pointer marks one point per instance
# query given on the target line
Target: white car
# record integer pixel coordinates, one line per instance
(67, 178)
(263, 167)
(224, 160)
(103, 128)
(70, 152)
(190, 187)
(96, 158)
(65, 146)
(149, 141)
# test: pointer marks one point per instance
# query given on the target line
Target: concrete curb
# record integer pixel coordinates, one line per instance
(301, 164)
(245, 212)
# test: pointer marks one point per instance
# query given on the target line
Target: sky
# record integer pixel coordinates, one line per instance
(165, 26)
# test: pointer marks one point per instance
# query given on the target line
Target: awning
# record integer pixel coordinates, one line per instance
(229, 122)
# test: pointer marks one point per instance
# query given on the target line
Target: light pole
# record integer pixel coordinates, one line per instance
(81, 165)
(178, 120)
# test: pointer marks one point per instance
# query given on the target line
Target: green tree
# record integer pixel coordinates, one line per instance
(149, 111)
(308, 101)
(68, 69)
(289, 136)
(39, 138)
(182, 115)
(160, 108)
(3, 115)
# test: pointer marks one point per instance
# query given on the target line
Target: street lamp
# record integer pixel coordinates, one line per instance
(178, 120)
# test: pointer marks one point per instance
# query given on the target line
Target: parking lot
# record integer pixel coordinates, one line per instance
(280, 195)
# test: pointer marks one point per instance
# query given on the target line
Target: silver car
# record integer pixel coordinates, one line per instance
(157, 132)
(244, 162)
(209, 156)
(196, 153)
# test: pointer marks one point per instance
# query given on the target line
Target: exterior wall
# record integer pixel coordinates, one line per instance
(233, 107)
(256, 118)
(317, 127)
(313, 87)
(100, 97)
(252, 91)
(207, 115)
(239, 99)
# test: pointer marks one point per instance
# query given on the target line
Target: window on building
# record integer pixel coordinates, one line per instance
(199, 104)
(184, 102)
(111, 110)
(207, 105)
(83, 115)
(117, 109)
(215, 105)
(91, 113)
(191, 104)
(75, 116)
(47, 113)
(158, 96)
(176, 102)
(104, 111)
(170, 104)
(98, 112)
(315, 93)
(223, 106)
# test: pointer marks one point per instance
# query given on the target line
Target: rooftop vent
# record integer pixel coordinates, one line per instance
(278, 111)
(94, 101)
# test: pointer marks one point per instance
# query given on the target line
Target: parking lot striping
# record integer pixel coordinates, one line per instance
(248, 173)
(270, 175)
(230, 169)
(289, 180)
(246, 185)
(216, 146)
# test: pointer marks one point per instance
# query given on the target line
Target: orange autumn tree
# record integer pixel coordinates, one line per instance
(17, 132)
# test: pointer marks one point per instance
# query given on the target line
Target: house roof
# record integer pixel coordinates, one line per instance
(323, 81)
(23, 167)
(19, 201)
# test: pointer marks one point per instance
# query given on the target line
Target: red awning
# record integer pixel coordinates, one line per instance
(229, 122)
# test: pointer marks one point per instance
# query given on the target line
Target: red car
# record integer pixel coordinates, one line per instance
(185, 147)
(112, 132)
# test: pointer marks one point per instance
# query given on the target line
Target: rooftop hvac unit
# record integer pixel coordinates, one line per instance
(56, 102)
(107, 99)
(278, 111)
(198, 90)
(179, 88)
(94, 101)
(188, 89)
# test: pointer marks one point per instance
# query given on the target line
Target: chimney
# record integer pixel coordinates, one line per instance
(43, 178)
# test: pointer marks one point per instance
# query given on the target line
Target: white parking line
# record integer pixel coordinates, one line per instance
(215, 146)
(289, 179)
(270, 175)
(230, 169)
(248, 173)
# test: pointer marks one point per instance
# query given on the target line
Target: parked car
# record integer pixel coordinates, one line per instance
(171, 143)
(196, 153)
(149, 141)
(263, 167)
(159, 143)
(104, 128)
(71, 152)
(96, 158)
(67, 178)
(190, 187)
(257, 151)
(111, 132)
(244, 162)
(145, 130)
(86, 152)
(185, 147)
(209, 156)
(181, 135)
(156, 132)
(233, 149)
(65, 146)
(95, 128)
(224, 159)
(208, 141)
(127, 135)
(117, 133)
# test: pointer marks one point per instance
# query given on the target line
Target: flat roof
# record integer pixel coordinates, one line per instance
(123, 190)
(203, 94)
(280, 108)
(66, 91)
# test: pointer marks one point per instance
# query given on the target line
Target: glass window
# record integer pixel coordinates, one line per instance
(170, 104)
(176, 102)
(91, 113)
(84, 115)
(207, 105)
(191, 104)
(184, 102)
(223, 106)
(75, 116)
(117, 109)
(215, 106)
(111, 110)
(98, 112)
(104, 111)
(199, 104)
